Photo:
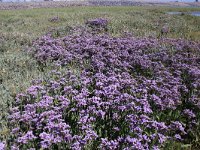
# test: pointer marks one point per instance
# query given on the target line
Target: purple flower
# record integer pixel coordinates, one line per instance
(162, 138)
(27, 137)
(99, 22)
(189, 113)
(178, 137)
(156, 148)
(111, 92)
(33, 90)
(2, 146)
(14, 147)
(178, 126)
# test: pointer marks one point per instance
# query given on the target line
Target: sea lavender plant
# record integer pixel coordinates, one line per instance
(129, 93)
(97, 24)
(2, 146)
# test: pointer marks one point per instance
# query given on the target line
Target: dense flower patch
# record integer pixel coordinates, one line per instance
(98, 24)
(110, 93)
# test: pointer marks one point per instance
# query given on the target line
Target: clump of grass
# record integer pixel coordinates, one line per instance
(54, 19)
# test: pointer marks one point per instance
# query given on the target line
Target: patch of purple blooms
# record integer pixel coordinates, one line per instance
(98, 23)
(125, 93)
(2, 146)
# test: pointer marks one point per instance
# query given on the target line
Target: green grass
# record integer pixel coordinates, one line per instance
(18, 28)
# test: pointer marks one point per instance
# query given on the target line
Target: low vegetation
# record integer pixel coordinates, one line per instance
(116, 85)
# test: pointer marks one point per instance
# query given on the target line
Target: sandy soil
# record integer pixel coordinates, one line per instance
(51, 4)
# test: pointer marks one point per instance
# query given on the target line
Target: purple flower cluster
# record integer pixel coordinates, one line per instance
(124, 93)
(97, 23)
(2, 146)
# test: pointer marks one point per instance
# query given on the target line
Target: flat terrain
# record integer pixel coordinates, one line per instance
(31, 5)
(18, 28)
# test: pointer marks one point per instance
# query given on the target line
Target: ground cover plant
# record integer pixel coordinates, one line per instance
(116, 98)
(101, 77)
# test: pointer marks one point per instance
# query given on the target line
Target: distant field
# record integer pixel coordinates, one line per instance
(55, 4)
(18, 28)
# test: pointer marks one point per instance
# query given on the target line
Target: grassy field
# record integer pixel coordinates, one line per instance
(18, 28)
